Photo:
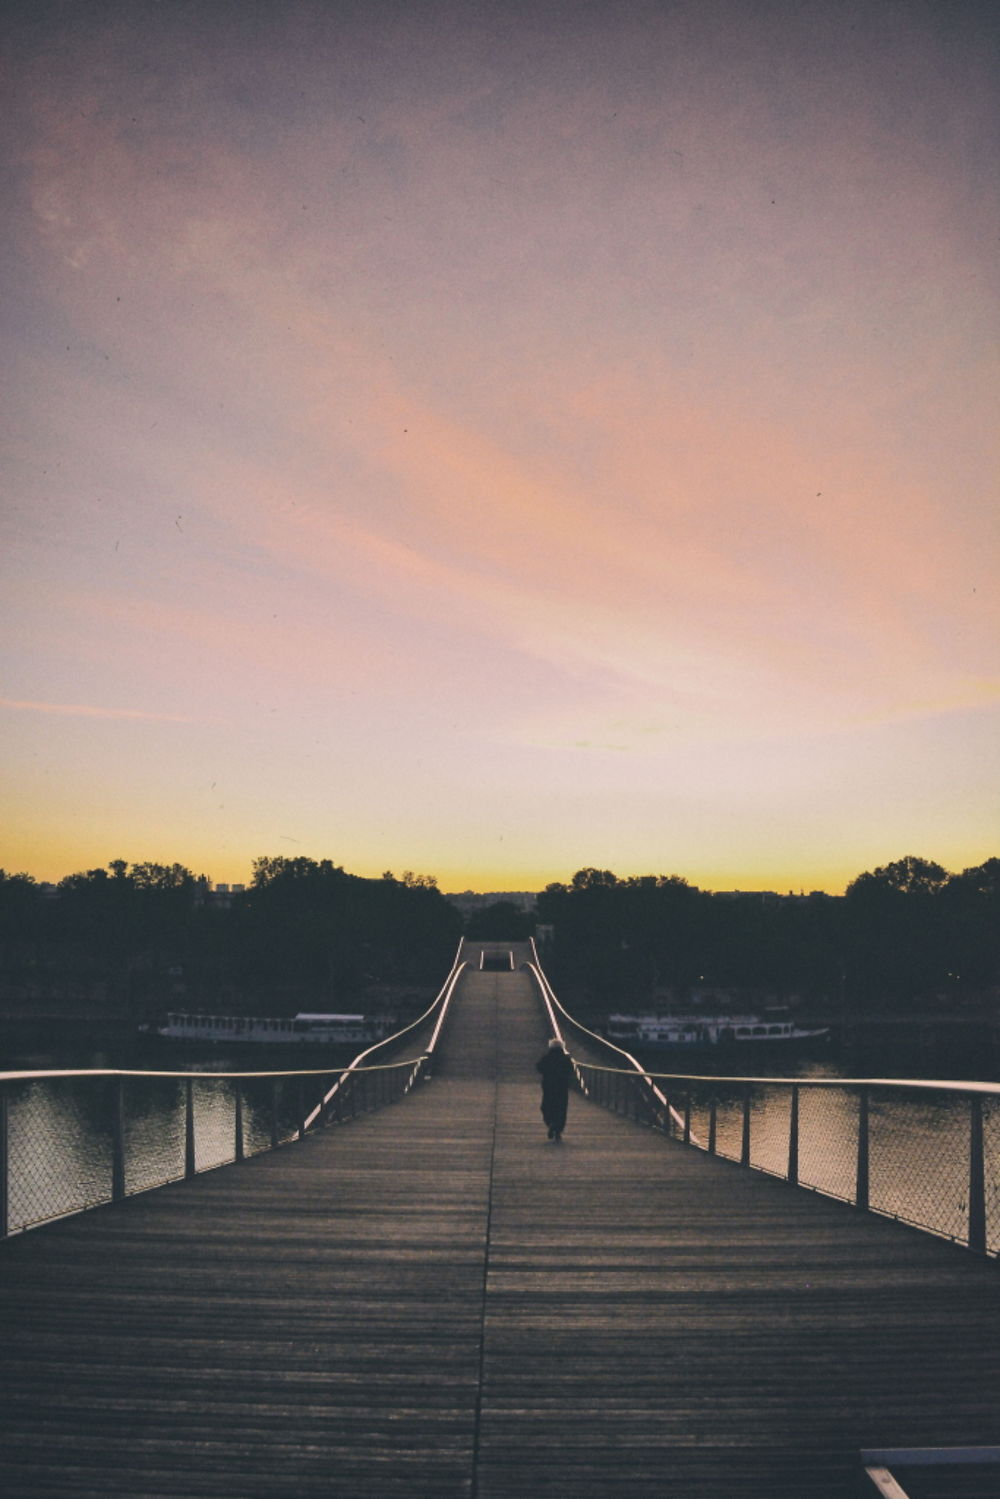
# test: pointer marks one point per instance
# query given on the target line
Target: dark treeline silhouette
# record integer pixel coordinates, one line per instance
(500, 922)
(304, 934)
(135, 939)
(903, 933)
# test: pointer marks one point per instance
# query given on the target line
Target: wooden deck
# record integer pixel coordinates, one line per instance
(436, 1301)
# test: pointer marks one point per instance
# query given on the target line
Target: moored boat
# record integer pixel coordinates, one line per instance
(707, 1030)
(303, 1029)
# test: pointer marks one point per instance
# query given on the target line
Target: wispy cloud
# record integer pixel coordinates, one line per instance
(90, 710)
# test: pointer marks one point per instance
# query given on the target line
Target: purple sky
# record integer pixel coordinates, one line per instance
(495, 439)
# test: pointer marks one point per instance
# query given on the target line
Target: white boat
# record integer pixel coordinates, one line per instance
(707, 1030)
(302, 1029)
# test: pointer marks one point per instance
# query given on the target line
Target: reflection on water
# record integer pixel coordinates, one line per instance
(61, 1130)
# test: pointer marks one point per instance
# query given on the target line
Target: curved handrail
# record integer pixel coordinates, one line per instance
(549, 996)
(931, 1085)
(964, 1218)
(443, 999)
(353, 1067)
(376, 1083)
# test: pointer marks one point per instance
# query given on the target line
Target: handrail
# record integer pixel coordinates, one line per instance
(443, 998)
(931, 1084)
(30, 1075)
(41, 1179)
(859, 1150)
(549, 996)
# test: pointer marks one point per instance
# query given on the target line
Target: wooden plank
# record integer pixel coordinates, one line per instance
(436, 1300)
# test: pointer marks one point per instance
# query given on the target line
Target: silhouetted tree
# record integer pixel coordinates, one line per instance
(902, 931)
(502, 921)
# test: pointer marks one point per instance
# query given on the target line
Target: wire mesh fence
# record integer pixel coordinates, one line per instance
(927, 1154)
(76, 1126)
(72, 1141)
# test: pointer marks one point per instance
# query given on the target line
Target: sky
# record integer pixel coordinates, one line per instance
(497, 439)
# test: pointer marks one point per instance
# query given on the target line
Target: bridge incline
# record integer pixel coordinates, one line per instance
(436, 1301)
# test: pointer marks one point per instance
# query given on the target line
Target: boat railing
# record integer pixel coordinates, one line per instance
(74, 1139)
(925, 1152)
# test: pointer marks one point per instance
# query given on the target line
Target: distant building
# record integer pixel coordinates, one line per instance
(223, 894)
(747, 894)
(470, 901)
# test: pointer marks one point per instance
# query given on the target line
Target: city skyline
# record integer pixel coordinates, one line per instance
(494, 442)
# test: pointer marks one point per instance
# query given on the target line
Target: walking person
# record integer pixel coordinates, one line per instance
(557, 1073)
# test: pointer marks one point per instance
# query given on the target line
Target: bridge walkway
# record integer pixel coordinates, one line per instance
(435, 1301)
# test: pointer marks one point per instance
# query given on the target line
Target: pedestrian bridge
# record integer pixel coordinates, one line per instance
(420, 1295)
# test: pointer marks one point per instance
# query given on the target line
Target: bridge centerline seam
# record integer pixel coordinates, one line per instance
(478, 1413)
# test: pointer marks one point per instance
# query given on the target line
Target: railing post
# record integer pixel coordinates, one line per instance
(117, 1140)
(793, 1138)
(745, 1146)
(189, 1155)
(300, 1108)
(238, 1120)
(687, 1117)
(274, 1113)
(977, 1178)
(713, 1122)
(861, 1189)
(4, 1164)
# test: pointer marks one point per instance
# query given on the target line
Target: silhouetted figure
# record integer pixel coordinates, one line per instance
(557, 1072)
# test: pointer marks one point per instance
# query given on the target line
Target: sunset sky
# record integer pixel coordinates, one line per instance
(492, 439)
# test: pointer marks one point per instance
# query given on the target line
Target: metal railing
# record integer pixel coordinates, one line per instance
(924, 1152)
(71, 1140)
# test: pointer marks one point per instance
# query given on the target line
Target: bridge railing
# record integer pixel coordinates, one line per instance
(646, 1102)
(924, 1152)
(76, 1139)
(927, 1153)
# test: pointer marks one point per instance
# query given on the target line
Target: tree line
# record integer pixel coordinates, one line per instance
(907, 931)
(305, 934)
